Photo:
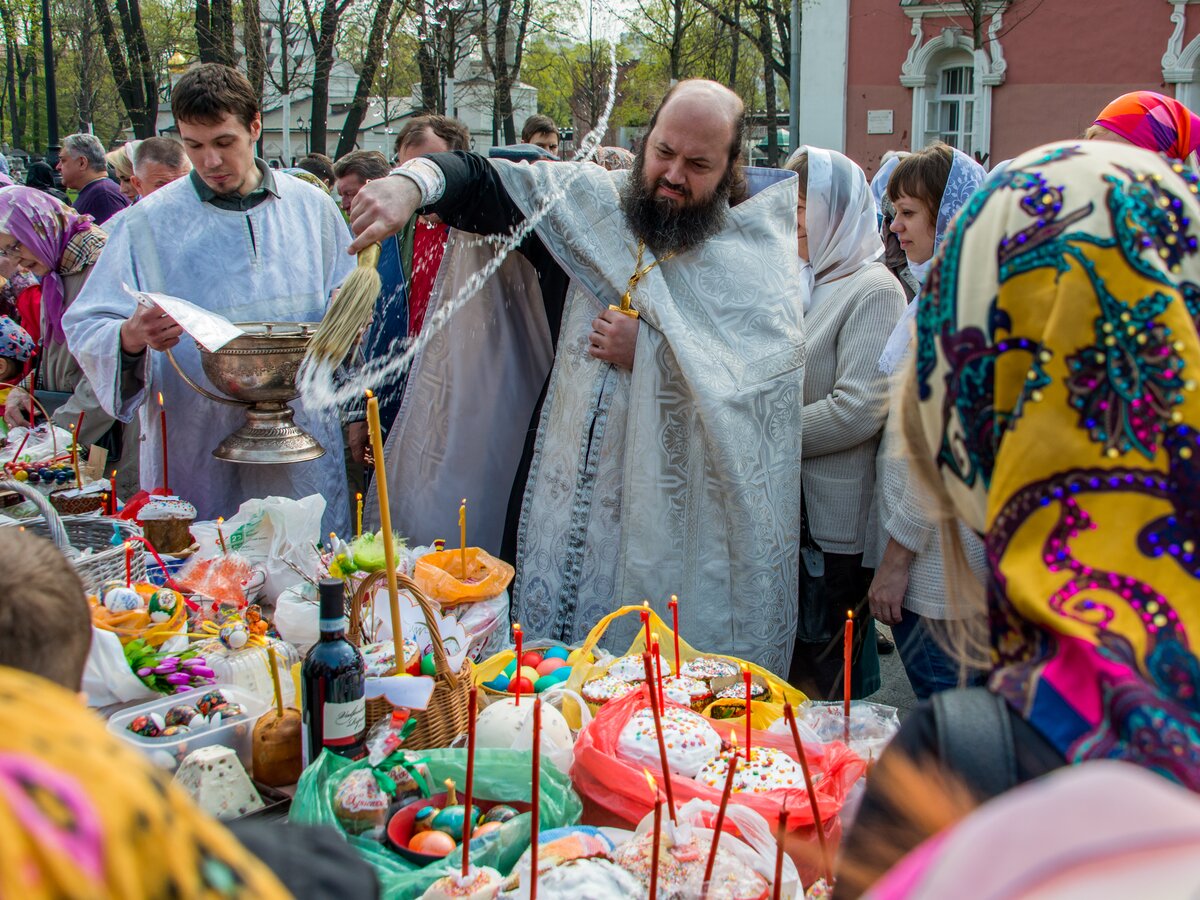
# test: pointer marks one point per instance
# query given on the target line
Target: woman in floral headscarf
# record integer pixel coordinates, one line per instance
(1053, 406)
(60, 246)
(1150, 121)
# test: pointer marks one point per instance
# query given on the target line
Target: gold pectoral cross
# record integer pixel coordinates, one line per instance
(639, 271)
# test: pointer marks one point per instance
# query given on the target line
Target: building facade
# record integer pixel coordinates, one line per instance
(878, 75)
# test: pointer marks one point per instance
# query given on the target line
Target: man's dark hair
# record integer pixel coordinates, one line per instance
(208, 92)
(160, 151)
(737, 178)
(320, 165)
(452, 131)
(45, 620)
(366, 164)
(537, 124)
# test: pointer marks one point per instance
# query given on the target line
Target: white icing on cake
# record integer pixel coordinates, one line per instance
(215, 779)
(690, 740)
(162, 508)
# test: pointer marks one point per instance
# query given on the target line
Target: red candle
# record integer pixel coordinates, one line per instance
(221, 537)
(17, 455)
(645, 614)
(128, 564)
(720, 820)
(780, 835)
(516, 679)
(674, 604)
(468, 819)
(746, 678)
(662, 745)
(536, 792)
(113, 481)
(658, 662)
(846, 652)
(790, 715)
(162, 421)
(656, 836)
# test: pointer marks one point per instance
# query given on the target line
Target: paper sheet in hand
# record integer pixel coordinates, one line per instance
(209, 330)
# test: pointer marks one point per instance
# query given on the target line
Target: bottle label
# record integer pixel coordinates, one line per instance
(344, 722)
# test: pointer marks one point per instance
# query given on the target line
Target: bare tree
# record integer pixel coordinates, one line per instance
(214, 31)
(502, 46)
(383, 26)
(129, 58)
(322, 32)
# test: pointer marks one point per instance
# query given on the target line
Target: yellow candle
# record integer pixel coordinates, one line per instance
(462, 536)
(358, 522)
(385, 521)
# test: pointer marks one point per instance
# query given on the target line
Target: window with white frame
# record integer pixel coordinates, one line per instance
(950, 113)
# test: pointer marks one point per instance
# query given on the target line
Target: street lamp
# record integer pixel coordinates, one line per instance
(300, 124)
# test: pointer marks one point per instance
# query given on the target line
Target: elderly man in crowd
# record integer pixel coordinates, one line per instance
(156, 163)
(667, 457)
(237, 240)
(85, 170)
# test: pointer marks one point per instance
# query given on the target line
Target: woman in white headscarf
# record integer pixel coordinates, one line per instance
(855, 304)
(908, 592)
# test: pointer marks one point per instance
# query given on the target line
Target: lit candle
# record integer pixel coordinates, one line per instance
(645, 616)
(516, 679)
(654, 648)
(358, 520)
(75, 455)
(780, 836)
(536, 798)
(162, 422)
(790, 716)
(746, 678)
(662, 745)
(385, 521)
(221, 537)
(468, 817)
(462, 537)
(847, 649)
(674, 605)
(113, 480)
(656, 836)
(128, 564)
(719, 823)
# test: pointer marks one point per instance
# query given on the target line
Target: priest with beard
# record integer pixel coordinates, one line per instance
(667, 455)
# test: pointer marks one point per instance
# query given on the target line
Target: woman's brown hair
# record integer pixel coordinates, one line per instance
(923, 176)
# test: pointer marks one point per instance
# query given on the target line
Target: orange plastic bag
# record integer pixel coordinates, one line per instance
(439, 576)
(608, 783)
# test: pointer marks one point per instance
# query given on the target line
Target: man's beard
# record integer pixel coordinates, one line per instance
(665, 227)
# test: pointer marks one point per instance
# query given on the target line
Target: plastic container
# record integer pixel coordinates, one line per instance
(169, 752)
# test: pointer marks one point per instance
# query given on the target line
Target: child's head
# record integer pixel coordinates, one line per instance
(16, 349)
(45, 621)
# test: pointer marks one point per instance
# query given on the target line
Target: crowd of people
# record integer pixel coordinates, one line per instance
(954, 402)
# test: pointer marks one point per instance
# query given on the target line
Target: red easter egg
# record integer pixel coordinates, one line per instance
(533, 659)
(432, 843)
(549, 665)
(523, 684)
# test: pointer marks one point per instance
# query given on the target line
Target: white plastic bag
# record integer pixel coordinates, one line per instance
(107, 678)
(296, 615)
(275, 534)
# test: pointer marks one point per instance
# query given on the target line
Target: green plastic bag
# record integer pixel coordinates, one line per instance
(500, 775)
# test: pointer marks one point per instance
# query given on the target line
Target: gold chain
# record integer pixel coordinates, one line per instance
(639, 272)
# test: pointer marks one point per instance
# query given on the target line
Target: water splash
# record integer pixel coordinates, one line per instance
(322, 386)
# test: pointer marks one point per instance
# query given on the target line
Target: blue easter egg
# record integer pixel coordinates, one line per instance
(556, 653)
(499, 683)
(562, 673)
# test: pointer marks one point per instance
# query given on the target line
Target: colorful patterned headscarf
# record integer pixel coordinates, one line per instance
(1057, 365)
(46, 227)
(83, 814)
(1153, 122)
(15, 342)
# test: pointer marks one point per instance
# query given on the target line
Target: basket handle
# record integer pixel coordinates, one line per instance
(403, 582)
(57, 530)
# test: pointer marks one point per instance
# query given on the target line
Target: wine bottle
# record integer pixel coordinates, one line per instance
(333, 684)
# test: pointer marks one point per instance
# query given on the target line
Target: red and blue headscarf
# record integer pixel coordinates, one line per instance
(1153, 122)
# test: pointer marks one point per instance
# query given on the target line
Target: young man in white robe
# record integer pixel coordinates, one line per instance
(667, 458)
(234, 238)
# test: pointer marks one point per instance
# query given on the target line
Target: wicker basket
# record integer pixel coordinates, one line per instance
(445, 718)
(106, 562)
